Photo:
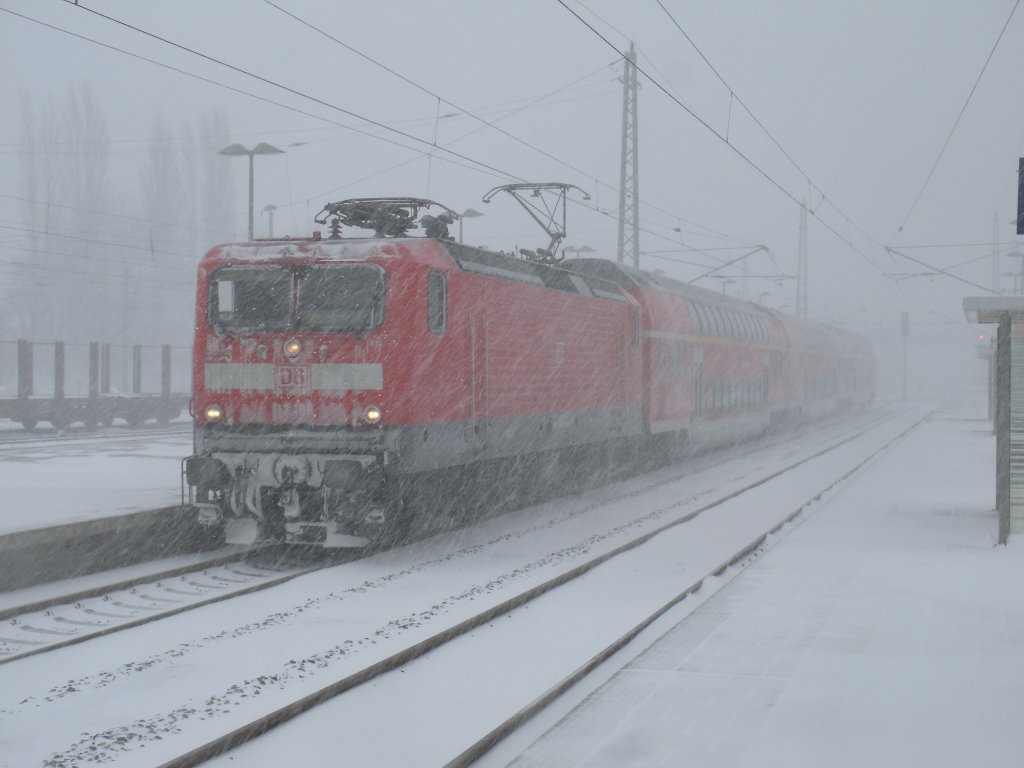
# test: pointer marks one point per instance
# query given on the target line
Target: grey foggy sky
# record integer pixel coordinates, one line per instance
(862, 95)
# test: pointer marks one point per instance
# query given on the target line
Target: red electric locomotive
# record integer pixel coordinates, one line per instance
(331, 376)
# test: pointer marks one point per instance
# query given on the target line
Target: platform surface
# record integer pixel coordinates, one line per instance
(886, 629)
(77, 478)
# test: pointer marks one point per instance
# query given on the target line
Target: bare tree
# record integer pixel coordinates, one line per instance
(64, 166)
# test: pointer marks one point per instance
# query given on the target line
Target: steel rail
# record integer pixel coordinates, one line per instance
(46, 437)
(117, 586)
(182, 573)
(264, 723)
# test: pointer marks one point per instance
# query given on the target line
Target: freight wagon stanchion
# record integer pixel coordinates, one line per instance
(105, 369)
(165, 371)
(24, 369)
(58, 372)
(1008, 313)
(92, 413)
(136, 369)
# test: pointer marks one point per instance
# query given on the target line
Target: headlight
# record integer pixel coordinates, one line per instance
(214, 413)
(372, 414)
(292, 348)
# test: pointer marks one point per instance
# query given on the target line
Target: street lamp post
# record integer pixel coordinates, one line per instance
(269, 210)
(469, 213)
(260, 149)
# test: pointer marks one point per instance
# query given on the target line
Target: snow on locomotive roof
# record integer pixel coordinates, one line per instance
(355, 250)
(526, 271)
(468, 258)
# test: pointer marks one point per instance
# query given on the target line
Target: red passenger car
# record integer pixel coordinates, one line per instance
(717, 369)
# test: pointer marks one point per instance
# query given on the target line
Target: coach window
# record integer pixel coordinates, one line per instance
(702, 323)
(437, 302)
(732, 323)
(717, 321)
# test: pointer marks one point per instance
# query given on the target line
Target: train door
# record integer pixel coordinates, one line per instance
(766, 387)
(698, 383)
(478, 377)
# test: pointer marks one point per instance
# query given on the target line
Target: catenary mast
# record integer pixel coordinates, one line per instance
(629, 180)
(801, 264)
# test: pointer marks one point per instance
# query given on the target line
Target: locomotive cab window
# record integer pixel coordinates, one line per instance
(340, 298)
(437, 302)
(251, 298)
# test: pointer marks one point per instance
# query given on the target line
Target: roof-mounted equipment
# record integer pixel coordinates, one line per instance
(543, 212)
(386, 216)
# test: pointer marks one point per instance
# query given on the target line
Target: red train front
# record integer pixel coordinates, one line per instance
(330, 375)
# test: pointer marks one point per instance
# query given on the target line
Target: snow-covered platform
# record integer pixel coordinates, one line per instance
(75, 502)
(74, 479)
(885, 629)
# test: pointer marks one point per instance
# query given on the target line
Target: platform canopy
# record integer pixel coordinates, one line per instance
(987, 309)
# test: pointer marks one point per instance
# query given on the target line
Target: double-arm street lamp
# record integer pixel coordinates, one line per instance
(259, 149)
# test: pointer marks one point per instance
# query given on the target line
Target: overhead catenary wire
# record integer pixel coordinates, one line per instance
(707, 126)
(813, 210)
(473, 162)
(93, 241)
(733, 96)
(441, 99)
(265, 99)
(956, 123)
(938, 270)
(483, 167)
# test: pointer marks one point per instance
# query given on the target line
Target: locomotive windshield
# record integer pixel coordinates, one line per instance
(340, 298)
(327, 298)
(251, 298)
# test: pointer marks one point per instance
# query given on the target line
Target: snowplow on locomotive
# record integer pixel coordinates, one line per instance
(336, 378)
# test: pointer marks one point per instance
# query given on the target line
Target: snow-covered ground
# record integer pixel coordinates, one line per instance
(70, 479)
(886, 630)
(882, 629)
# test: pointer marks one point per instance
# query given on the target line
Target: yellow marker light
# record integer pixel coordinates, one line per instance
(372, 414)
(214, 413)
(292, 348)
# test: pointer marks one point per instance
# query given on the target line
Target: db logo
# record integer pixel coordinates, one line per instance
(291, 379)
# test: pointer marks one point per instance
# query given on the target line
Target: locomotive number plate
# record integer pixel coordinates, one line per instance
(291, 379)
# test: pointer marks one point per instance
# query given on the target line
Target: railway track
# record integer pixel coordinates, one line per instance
(60, 621)
(44, 438)
(575, 569)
